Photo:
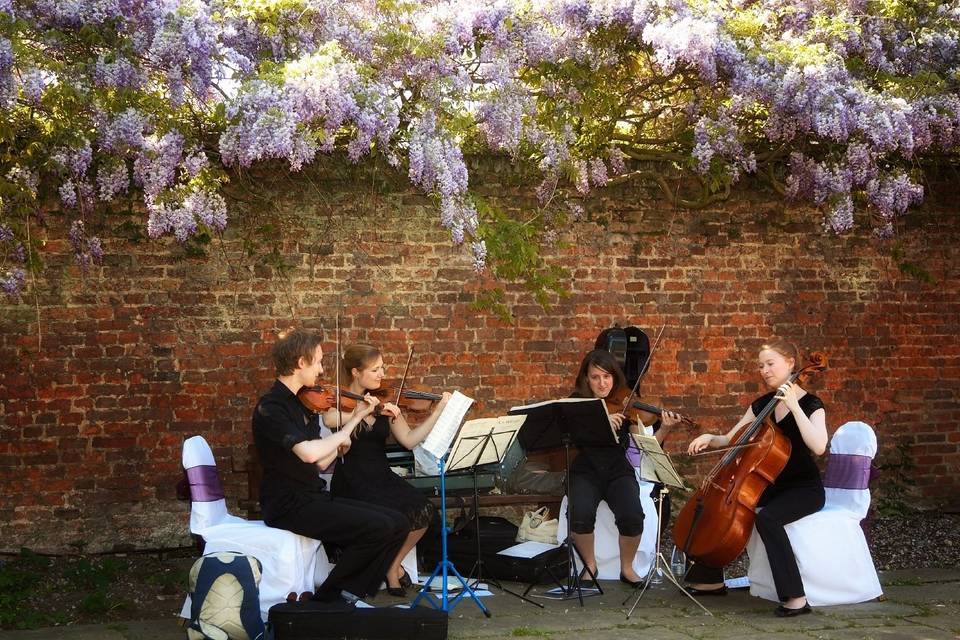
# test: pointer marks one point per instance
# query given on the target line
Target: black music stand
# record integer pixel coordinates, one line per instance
(656, 467)
(581, 422)
(481, 442)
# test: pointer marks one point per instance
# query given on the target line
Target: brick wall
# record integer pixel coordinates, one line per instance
(156, 346)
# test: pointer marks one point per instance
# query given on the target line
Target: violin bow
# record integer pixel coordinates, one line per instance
(403, 379)
(722, 449)
(643, 370)
(336, 365)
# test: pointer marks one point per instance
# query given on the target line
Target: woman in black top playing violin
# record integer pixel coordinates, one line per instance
(603, 473)
(366, 474)
(796, 492)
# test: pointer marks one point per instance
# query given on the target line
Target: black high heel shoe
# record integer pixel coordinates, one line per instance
(397, 592)
(719, 591)
(786, 612)
(405, 580)
(633, 583)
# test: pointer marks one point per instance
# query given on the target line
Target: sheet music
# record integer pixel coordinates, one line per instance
(448, 423)
(655, 465)
(484, 441)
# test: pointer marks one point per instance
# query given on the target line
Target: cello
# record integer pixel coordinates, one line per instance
(714, 525)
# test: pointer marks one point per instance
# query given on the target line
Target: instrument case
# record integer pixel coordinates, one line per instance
(335, 621)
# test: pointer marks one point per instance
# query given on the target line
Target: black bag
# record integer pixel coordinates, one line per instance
(496, 534)
(338, 620)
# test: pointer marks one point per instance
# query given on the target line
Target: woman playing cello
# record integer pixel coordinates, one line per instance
(796, 492)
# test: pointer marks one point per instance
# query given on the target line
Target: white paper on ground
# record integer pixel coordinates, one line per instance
(737, 583)
(527, 549)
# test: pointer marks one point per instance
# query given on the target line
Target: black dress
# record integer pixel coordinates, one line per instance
(365, 475)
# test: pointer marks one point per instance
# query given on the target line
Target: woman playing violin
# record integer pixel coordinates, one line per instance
(603, 473)
(365, 474)
(796, 492)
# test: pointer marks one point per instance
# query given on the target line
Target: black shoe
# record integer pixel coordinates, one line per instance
(720, 591)
(397, 592)
(405, 580)
(632, 583)
(785, 612)
(586, 581)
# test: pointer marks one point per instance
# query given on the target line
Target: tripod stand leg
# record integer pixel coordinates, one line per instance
(466, 590)
(658, 559)
(573, 579)
(573, 575)
(672, 579)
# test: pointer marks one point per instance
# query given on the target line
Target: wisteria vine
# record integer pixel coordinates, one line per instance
(833, 102)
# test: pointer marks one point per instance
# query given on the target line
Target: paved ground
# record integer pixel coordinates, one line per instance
(919, 604)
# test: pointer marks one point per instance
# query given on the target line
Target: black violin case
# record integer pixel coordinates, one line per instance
(313, 620)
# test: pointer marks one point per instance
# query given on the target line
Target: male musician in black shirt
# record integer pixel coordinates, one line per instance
(292, 494)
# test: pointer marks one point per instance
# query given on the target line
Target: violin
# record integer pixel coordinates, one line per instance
(639, 412)
(411, 398)
(316, 398)
(319, 398)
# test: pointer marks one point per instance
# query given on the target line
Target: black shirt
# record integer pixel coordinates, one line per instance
(801, 469)
(280, 421)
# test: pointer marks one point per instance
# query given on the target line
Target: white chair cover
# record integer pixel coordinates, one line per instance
(290, 562)
(831, 550)
(607, 538)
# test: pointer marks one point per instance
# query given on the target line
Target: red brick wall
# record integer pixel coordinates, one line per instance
(154, 347)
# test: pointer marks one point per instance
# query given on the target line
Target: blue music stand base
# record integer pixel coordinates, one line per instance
(445, 567)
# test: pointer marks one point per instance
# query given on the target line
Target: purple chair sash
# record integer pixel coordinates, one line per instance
(204, 484)
(634, 454)
(846, 471)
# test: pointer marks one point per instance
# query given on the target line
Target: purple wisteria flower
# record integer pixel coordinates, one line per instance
(112, 179)
(155, 167)
(13, 282)
(842, 106)
(198, 207)
(87, 249)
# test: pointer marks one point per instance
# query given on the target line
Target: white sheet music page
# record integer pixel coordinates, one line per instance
(448, 423)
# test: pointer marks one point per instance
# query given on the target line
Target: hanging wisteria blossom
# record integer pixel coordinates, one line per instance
(838, 103)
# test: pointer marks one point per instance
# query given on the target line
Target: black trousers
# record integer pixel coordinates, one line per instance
(622, 494)
(369, 536)
(780, 507)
